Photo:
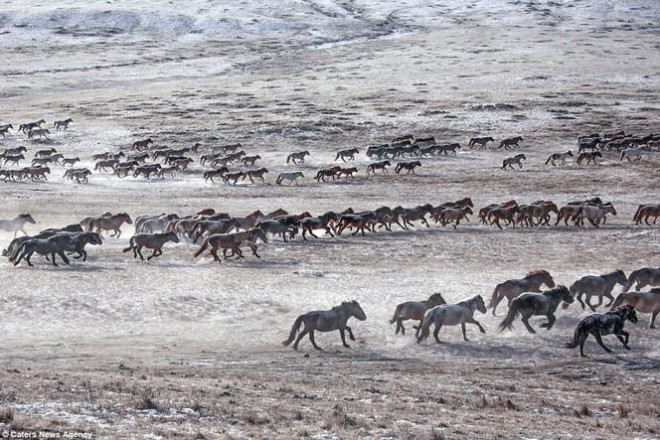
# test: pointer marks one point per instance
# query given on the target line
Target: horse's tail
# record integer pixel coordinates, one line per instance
(17, 255)
(294, 330)
(580, 329)
(619, 299)
(131, 243)
(636, 217)
(425, 329)
(548, 161)
(91, 223)
(202, 248)
(632, 278)
(493, 298)
(510, 317)
(504, 164)
(397, 312)
(623, 154)
(279, 180)
(288, 158)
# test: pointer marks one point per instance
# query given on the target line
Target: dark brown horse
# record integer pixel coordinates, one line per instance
(510, 289)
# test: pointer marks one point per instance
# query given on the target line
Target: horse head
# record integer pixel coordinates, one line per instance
(562, 293)
(620, 277)
(172, 236)
(353, 307)
(435, 300)
(126, 217)
(479, 301)
(627, 312)
(28, 218)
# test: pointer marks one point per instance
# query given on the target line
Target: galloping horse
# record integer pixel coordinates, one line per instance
(532, 304)
(646, 276)
(150, 241)
(414, 310)
(510, 289)
(113, 223)
(604, 324)
(16, 224)
(325, 321)
(600, 286)
(452, 314)
(517, 159)
(644, 302)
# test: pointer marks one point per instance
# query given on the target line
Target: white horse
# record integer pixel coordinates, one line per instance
(595, 214)
(452, 314)
(632, 152)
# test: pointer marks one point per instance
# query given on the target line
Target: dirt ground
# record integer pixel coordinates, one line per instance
(185, 348)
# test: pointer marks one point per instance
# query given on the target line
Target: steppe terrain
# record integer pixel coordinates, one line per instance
(185, 348)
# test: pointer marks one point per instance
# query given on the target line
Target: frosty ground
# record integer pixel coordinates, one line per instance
(178, 348)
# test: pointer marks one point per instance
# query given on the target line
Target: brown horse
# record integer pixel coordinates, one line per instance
(643, 302)
(414, 310)
(113, 223)
(510, 289)
(645, 212)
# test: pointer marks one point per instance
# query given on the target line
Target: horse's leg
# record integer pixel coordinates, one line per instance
(138, 249)
(623, 336)
(300, 336)
(153, 254)
(653, 316)
(471, 320)
(496, 300)
(311, 338)
(399, 327)
(343, 337)
(610, 297)
(438, 326)
(525, 320)
(52, 257)
(214, 252)
(312, 234)
(600, 303)
(463, 330)
(350, 333)
(551, 320)
(600, 341)
(582, 339)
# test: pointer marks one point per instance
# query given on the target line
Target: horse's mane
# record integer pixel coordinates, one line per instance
(534, 273)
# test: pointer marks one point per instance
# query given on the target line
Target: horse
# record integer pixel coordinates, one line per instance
(79, 175)
(540, 210)
(219, 172)
(5, 129)
(239, 175)
(600, 286)
(417, 213)
(325, 321)
(321, 222)
(452, 314)
(46, 152)
(354, 221)
(141, 145)
(255, 174)
(481, 141)
(181, 163)
(646, 211)
(517, 159)
(13, 151)
(16, 224)
(409, 138)
(595, 214)
(36, 173)
(290, 177)
(329, 172)
(113, 223)
(454, 214)
(103, 164)
(531, 304)
(14, 158)
(510, 289)
(297, 158)
(350, 154)
(559, 157)
(150, 241)
(232, 242)
(610, 323)
(147, 170)
(282, 226)
(26, 128)
(372, 167)
(408, 166)
(445, 149)
(414, 310)
(209, 227)
(589, 157)
(424, 140)
(41, 132)
(510, 143)
(632, 152)
(250, 160)
(62, 125)
(55, 244)
(646, 276)
(503, 213)
(644, 302)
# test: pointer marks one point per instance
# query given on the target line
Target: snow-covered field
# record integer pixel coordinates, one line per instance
(185, 348)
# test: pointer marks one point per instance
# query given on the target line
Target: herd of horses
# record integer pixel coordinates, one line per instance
(526, 299)
(216, 231)
(144, 158)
